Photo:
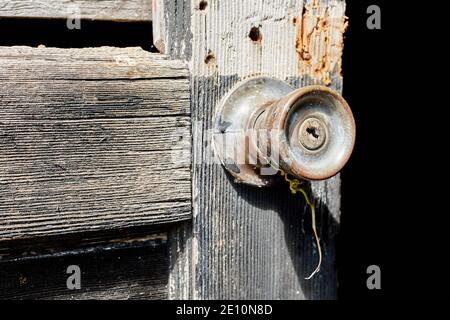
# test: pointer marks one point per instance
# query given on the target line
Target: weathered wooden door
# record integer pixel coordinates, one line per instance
(105, 156)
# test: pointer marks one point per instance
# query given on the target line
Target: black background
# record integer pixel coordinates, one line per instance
(394, 207)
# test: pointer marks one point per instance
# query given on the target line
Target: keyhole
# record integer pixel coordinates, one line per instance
(313, 131)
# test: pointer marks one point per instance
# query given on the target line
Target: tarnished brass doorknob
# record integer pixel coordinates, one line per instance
(307, 132)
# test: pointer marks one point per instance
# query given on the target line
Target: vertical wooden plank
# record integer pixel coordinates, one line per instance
(249, 243)
(159, 25)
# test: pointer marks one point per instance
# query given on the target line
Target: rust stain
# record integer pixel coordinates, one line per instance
(315, 4)
(319, 42)
(303, 37)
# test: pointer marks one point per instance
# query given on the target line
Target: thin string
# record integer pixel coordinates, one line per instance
(294, 185)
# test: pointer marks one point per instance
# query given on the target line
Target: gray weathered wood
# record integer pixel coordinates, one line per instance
(159, 25)
(91, 139)
(246, 242)
(115, 10)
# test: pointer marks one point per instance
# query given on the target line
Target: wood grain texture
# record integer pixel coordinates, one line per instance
(63, 244)
(91, 139)
(250, 243)
(134, 268)
(159, 25)
(114, 10)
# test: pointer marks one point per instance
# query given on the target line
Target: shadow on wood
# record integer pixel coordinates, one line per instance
(128, 264)
(298, 251)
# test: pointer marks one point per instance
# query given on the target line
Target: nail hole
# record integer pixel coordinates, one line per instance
(210, 58)
(202, 5)
(323, 24)
(255, 34)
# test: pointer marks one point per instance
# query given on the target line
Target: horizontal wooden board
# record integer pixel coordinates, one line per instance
(120, 10)
(36, 248)
(107, 63)
(83, 151)
(132, 268)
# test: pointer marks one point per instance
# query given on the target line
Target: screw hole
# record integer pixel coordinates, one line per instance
(255, 34)
(210, 58)
(202, 5)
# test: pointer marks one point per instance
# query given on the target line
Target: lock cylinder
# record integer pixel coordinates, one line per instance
(307, 132)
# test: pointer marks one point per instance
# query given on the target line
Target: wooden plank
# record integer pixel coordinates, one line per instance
(34, 248)
(114, 10)
(250, 243)
(159, 25)
(126, 268)
(107, 63)
(82, 150)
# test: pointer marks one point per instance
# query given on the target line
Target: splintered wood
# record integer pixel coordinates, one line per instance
(320, 39)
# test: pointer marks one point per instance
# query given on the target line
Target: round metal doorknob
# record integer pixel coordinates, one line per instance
(307, 132)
